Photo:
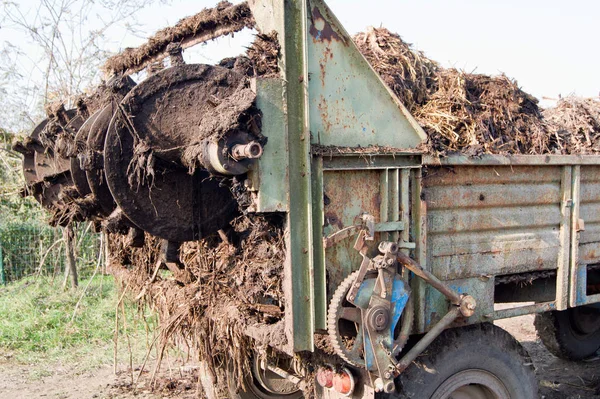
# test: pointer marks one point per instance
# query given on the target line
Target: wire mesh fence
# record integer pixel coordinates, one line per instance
(27, 249)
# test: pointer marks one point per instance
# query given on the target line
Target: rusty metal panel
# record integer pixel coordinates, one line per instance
(589, 211)
(350, 105)
(563, 265)
(585, 230)
(347, 195)
(512, 160)
(492, 220)
(436, 305)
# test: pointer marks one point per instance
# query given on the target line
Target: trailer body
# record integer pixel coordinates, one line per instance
(503, 229)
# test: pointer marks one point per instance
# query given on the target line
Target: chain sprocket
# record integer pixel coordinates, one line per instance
(345, 325)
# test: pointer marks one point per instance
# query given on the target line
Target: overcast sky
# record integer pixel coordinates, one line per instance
(551, 47)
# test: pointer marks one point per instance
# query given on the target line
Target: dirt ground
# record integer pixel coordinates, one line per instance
(559, 379)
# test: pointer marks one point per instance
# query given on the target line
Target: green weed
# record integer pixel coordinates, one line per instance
(37, 323)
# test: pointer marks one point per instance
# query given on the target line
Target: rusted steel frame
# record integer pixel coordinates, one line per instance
(455, 160)
(419, 232)
(408, 317)
(157, 47)
(384, 207)
(402, 209)
(589, 300)
(370, 161)
(414, 267)
(521, 311)
(394, 211)
(562, 276)
(578, 290)
(427, 339)
(319, 245)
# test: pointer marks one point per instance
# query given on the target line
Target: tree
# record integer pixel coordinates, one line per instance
(52, 51)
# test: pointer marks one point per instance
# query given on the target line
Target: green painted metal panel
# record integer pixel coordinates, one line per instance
(270, 176)
(350, 105)
(299, 175)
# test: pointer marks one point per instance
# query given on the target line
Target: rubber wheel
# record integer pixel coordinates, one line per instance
(263, 384)
(475, 362)
(572, 334)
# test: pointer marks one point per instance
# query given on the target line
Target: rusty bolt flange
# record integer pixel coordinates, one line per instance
(467, 305)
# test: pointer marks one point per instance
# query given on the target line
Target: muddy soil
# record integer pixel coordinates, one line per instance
(559, 379)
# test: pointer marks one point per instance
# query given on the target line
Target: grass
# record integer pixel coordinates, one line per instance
(37, 324)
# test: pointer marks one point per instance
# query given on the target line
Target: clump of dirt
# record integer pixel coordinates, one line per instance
(235, 282)
(574, 124)
(208, 24)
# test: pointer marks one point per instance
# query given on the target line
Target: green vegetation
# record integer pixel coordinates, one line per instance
(36, 325)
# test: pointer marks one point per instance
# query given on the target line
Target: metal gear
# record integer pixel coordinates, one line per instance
(345, 320)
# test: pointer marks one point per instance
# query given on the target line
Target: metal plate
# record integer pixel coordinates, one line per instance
(77, 174)
(172, 205)
(48, 163)
(492, 220)
(95, 145)
(29, 171)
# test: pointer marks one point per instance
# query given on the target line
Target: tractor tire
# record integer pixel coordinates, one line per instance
(474, 362)
(572, 334)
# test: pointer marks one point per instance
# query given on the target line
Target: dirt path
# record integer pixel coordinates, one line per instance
(68, 383)
(559, 379)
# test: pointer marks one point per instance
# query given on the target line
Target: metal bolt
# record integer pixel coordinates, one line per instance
(387, 375)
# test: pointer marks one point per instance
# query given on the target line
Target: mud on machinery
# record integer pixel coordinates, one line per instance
(394, 260)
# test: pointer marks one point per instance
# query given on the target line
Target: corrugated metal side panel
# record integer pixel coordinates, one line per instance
(492, 220)
(589, 211)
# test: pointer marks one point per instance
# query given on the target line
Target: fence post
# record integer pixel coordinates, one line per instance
(2, 275)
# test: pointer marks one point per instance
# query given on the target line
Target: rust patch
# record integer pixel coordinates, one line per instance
(324, 111)
(322, 30)
(331, 219)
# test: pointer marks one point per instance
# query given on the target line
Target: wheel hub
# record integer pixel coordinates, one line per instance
(472, 384)
(378, 318)
(268, 384)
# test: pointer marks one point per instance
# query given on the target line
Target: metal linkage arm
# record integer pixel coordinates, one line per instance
(427, 340)
(432, 280)
(464, 306)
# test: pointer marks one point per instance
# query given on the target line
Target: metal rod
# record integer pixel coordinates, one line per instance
(394, 211)
(414, 267)
(427, 339)
(408, 317)
(281, 372)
